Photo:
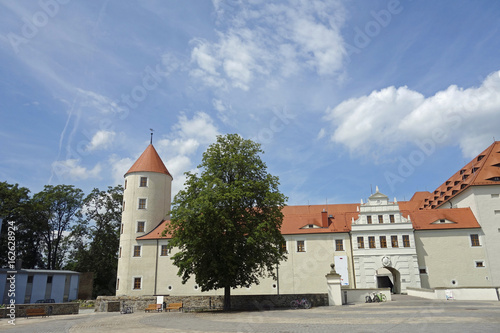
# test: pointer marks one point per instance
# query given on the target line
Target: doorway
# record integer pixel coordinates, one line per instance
(388, 277)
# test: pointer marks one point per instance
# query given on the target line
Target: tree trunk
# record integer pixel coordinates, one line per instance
(227, 298)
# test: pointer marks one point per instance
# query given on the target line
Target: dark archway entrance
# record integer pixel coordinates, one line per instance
(388, 277)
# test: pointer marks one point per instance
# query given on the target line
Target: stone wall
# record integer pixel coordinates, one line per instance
(50, 308)
(195, 303)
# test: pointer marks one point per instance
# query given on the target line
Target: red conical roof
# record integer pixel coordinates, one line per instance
(149, 161)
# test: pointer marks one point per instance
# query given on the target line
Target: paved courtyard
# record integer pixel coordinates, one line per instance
(403, 314)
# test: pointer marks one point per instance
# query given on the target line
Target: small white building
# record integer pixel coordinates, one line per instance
(445, 239)
(30, 285)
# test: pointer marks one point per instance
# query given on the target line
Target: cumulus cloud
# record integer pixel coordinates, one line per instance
(71, 169)
(101, 140)
(386, 119)
(259, 39)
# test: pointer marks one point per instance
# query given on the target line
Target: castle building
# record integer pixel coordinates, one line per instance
(449, 238)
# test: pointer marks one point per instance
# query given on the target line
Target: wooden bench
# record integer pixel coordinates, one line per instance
(153, 307)
(174, 306)
(35, 312)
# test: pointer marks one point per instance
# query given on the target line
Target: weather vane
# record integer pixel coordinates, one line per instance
(152, 130)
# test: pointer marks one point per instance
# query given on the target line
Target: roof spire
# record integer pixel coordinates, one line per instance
(152, 130)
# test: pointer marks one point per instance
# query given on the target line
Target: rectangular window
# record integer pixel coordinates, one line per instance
(497, 212)
(394, 241)
(283, 247)
(142, 203)
(125, 189)
(137, 251)
(143, 182)
(474, 240)
(117, 284)
(137, 283)
(140, 226)
(120, 252)
(339, 245)
(123, 206)
(164, 250)
(423, 271)
(406, 241)
(301, 246)
(380, 219)
(495, 195)
(479, 263)
(361, 243)
(371, 242)
(383, 242)
(121, 228)
(391, 218)
(369, 219)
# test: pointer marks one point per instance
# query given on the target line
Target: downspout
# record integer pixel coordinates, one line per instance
(352, 262)
(156, 266)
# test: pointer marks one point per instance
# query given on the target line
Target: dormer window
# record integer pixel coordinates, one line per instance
(462, 171)
(442, 221)
(480, 157)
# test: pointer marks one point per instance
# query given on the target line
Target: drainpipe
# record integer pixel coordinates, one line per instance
(156, 267)
(352, 262)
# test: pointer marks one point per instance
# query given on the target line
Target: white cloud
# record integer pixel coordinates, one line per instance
(119, 167)
(386, 119)
(72, 170)
(101, 140)
(259, 39)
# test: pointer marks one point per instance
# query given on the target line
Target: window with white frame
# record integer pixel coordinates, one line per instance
(301, 246)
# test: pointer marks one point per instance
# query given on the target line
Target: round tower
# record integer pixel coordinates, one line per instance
(146, 203)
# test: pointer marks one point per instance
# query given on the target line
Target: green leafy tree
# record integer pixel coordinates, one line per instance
(57, 208)
(226, 223)
(96, 238)
(17, 211)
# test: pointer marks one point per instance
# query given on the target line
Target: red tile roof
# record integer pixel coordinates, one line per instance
(482, 170)
(156, 233)
(424, 219)
(149, 161)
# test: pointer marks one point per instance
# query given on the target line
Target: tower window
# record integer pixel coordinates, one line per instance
(142, 204)
(117, 284)
(137, 283)
(140, 226)
(479, 263)
(383, 242)
(137, 251)
(121, 228)
(339, 245)
(143, 182)
(361, 243)
(120, 252)
(125, 184)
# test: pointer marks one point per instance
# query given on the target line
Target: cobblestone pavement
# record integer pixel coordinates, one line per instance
(403, 314)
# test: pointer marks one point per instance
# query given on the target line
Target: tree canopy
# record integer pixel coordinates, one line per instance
(226, 222)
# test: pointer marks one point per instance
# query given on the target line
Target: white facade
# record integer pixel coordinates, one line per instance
(384, 251)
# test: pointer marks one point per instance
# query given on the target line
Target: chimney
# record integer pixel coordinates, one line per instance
(324, 219)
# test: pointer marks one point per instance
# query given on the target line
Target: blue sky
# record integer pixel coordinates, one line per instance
(342, 95)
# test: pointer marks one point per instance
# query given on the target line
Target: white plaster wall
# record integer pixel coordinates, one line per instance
(448, 256)
(483, 205)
